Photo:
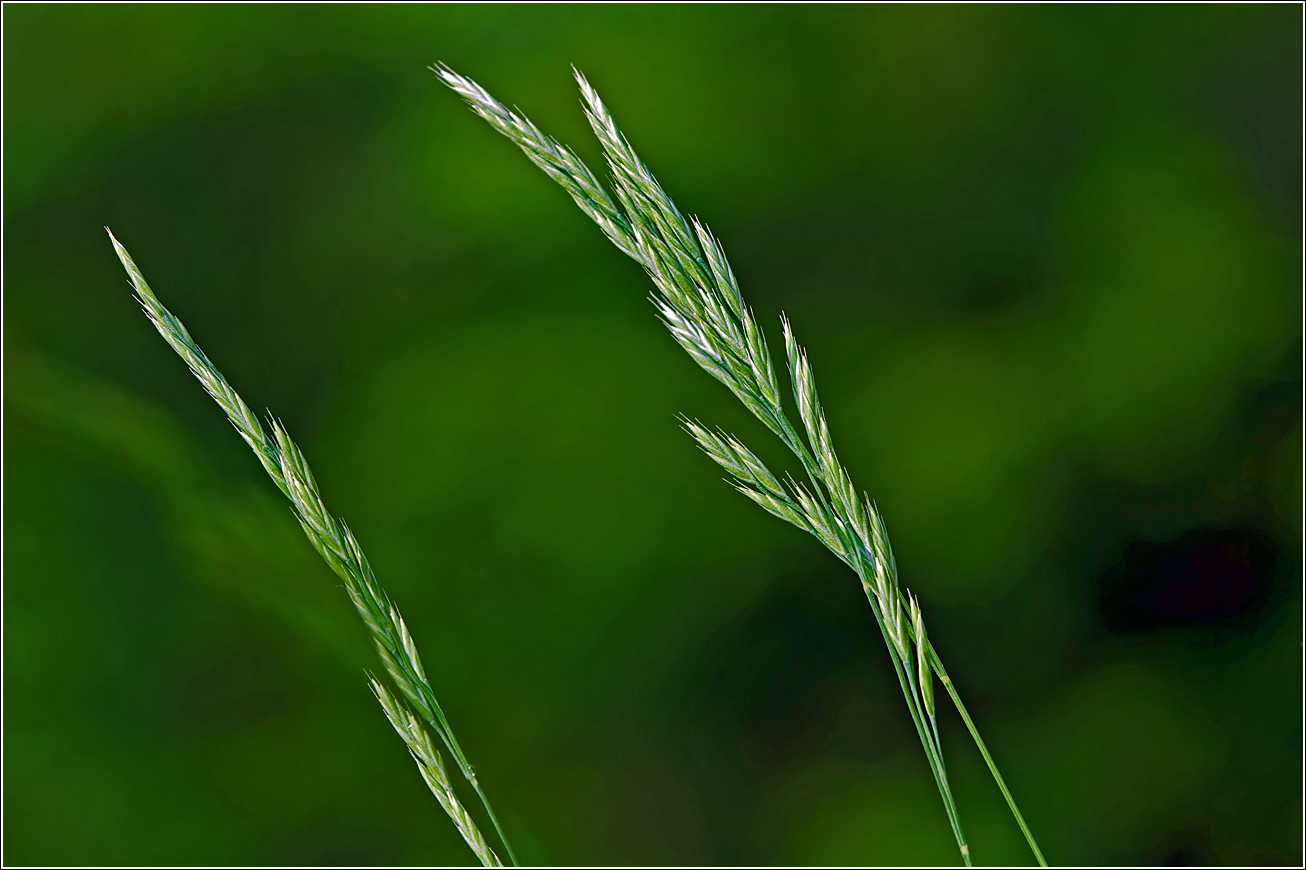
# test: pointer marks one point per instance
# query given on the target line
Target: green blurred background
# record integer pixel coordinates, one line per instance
(1047, 263)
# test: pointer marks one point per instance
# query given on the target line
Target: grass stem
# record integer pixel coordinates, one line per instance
(988, 759)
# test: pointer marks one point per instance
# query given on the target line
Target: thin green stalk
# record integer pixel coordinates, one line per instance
(988, 759)
(934, 726)
(430, 765)
(698, 299)
(494, 820)
(933, 749)
(934, 756)
(285, 464)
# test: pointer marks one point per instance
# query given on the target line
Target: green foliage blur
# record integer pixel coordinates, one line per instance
(1047, 264)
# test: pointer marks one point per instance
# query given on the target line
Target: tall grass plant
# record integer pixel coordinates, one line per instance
(699, 301)
(283, 461)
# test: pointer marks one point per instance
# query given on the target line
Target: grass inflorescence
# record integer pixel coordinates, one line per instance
(699, 301)
(285, 464)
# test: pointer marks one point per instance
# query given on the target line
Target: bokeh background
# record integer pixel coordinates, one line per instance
(1048, 265)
